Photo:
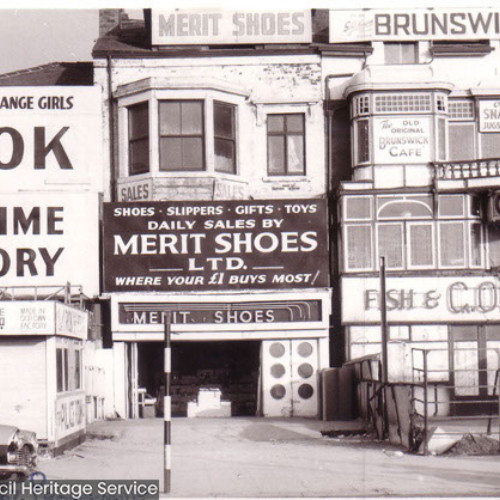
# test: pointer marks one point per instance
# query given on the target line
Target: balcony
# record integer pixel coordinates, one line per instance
(467, 173)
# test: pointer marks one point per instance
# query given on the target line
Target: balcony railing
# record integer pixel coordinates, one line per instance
(467, 169)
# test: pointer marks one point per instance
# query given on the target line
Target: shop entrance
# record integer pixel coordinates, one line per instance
(232, 367)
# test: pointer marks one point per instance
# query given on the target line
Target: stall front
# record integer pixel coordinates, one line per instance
(41, 345)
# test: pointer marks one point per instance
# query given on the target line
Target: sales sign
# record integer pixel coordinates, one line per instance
(402, 140)
(414, 24)
(174, 246)
(183, 26)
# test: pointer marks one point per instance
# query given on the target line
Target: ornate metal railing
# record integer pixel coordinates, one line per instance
(467, 169)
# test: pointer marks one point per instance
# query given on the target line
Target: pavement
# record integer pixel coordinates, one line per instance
(256, 457)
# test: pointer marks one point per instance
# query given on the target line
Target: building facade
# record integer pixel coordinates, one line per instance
(221, 139)
(425, 147)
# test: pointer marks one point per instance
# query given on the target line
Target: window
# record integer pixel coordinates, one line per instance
(411, 236)
(400, 53)
(62, 369)
(285, 144)
(403, 103)
(138, 138)
(78, 369)
(359, 245)
(363, 141)
(461, 141)
(181, 136)
(224, 138)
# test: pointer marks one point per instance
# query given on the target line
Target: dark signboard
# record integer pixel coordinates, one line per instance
(289, 311)
(172, 246)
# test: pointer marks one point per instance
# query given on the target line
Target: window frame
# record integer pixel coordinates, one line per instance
(232, 140)
(130, 141)
(400, 52)
(285, 135)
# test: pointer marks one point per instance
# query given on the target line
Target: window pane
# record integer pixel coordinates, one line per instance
(224, 156)
(170, 118)
(421, 245)
(295, 123)
(65, 368)
(192, 153)
(138, 121)
(295, 150)
(404, 209)
(390, 245)
(275, 123)
(442, 139)
(490, 145)
(451, 205)
(475, 244)
(276, 153)
(139, 157)
(223, 120)
(359, 247)
(358, 208)
(59, 369)
(452, 244)
(493, 245)
(170, 153)
(461, 142)
(363, 141)
(77, 369)
(192, 118)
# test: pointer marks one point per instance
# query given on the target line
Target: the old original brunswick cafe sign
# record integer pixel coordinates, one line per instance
(172, 246)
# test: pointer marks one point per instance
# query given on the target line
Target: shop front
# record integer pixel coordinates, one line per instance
(456, 319)
(246, 286)
(41, 373)
(261, 350)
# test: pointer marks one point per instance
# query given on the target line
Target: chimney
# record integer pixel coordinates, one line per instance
(108, 19)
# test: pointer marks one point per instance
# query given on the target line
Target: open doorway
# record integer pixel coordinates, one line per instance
(231, 366)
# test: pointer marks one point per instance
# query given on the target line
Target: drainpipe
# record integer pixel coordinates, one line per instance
(111, 110)
(332, 209)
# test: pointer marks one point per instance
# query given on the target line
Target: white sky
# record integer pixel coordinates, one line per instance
(30, 36)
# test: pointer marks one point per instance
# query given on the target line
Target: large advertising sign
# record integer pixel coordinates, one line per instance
(185, 27)
(402, 140)
(414, 24)
(423, 299)
(50, 137)
(50, 239)
(163, 246)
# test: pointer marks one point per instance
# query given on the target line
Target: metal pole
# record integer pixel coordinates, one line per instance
(426, 416)
(383, 314)
(167, 406)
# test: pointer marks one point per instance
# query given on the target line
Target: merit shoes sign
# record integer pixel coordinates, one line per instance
(414, 24)
(164, 246)
(183, 27)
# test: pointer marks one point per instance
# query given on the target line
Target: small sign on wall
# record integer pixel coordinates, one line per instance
(402, 140)
(489, 116)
